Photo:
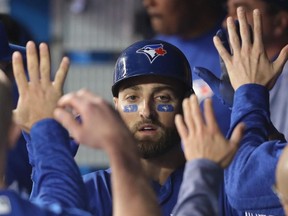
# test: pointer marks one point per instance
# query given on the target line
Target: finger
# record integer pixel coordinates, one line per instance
(32, 62)
(181, 127)
(257, 33)
(244, 28)
(67, 120)
(74, 99)
(279, 63)
(209, 115)
(223, 37)
(224, 54)
(277, 66)
(44, 64)
(89, 96)
(237, 134)
(196, 113)
(234, 142)
(94, 101)
(233, 36)
(188, 115)
(62, 73)
(68, 100)
(77, 104)
(19, 72)
(228, 157)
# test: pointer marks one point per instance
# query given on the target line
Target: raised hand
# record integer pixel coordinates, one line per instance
(38, 96)
(221, 87)
(248, 62)
(94, 112)
(202, 138)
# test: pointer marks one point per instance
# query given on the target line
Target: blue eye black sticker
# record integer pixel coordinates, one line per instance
(130, 108)
(165, 108)
(160, 108)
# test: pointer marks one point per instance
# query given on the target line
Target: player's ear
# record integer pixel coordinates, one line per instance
(115, 101)
(13, 135)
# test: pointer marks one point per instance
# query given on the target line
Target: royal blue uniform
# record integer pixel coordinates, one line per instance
(249, 178)
(98, 185)
(11, 204)
(100, 197)
(58, 182)
(199, 191)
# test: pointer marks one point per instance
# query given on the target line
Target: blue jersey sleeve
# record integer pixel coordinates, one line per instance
(249, 178)
(56, 177)
(12, 204)
(199, 190)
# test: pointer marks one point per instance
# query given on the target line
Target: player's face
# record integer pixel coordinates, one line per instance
(148, 109)
(268, 19)
(169, 17)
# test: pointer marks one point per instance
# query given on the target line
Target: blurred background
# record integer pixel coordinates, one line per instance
(92, 33)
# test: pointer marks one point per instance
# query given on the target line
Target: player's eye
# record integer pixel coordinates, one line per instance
(131, 98)
(163, 98)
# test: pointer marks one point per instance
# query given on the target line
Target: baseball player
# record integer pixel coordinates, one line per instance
(275, 36)
(151, 79)
(207, 153)
(250, 176)
(153, 96)
(256, 164)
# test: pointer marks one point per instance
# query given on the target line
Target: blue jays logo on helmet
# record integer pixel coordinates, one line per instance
(152, 58)
(152, 51)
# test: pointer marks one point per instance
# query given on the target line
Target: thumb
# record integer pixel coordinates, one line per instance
(237, 134)
(234, 144)
(223, 35)
(209, 78)
(278, 64)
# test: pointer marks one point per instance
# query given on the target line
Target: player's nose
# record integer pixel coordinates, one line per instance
(147, 109)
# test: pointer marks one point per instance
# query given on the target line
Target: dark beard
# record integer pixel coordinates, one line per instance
(148, 148)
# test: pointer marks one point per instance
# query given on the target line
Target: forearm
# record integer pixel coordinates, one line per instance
(132, 193)
(249, 177)
(251, 106)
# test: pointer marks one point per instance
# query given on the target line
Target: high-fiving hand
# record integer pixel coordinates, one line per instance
(38, 95)
(94, 112)
(202, 137)
(248, 62)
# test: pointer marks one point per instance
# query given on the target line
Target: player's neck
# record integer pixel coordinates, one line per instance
(160, 168)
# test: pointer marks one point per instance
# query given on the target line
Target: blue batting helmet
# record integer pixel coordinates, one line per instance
(152, 57)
